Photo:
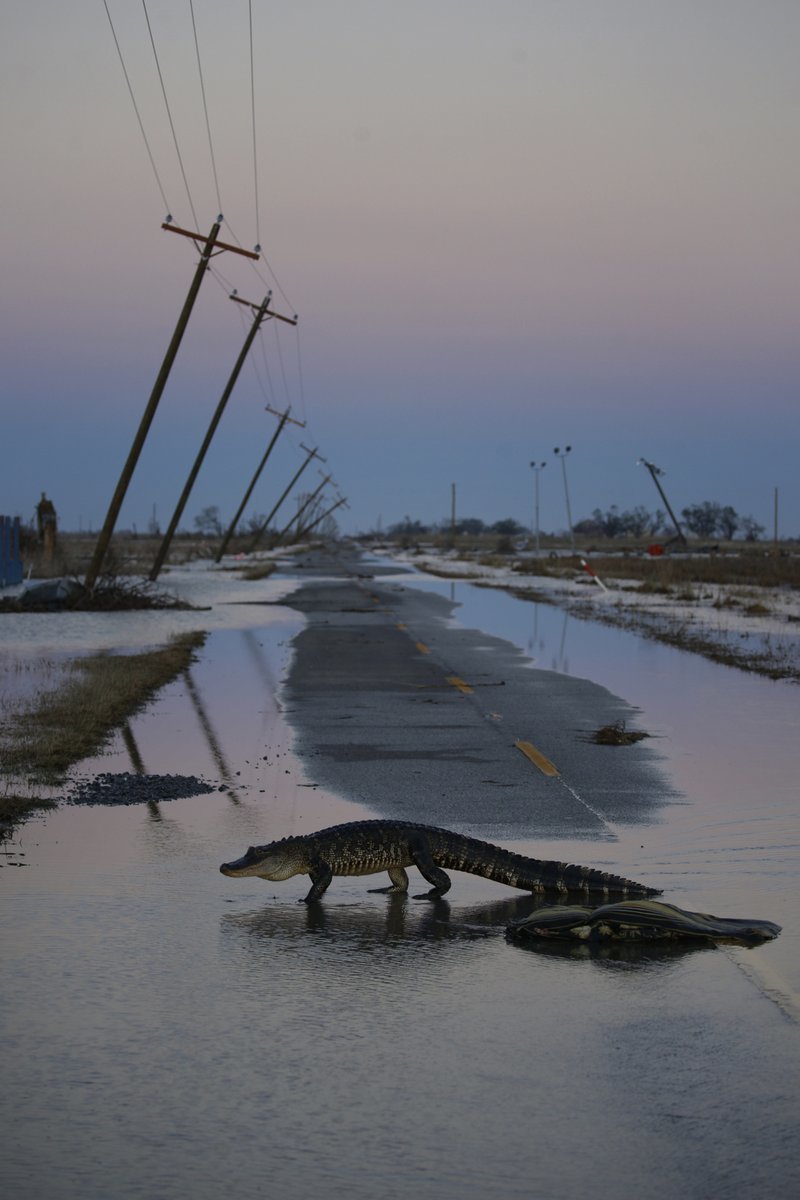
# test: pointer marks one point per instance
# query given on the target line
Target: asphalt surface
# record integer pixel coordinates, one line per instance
(399, 708)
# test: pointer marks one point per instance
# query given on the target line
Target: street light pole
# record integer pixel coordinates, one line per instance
(562, 454)
(537, 467)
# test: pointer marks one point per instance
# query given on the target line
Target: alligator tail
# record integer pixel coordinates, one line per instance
(534, 874)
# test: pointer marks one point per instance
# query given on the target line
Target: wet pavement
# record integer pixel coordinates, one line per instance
(170, 1032)
(401, 710)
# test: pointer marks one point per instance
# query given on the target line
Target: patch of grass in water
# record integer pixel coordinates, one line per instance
(15, 808)
(75, 720)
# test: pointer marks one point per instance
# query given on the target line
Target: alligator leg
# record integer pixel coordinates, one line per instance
(321, 876)
(429, 870)
(399, 882)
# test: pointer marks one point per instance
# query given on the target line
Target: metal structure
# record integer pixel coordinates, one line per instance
(538, 467)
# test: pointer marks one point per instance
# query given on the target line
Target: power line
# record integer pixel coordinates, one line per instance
(260, 275)
(169, 113)
(283, 369)
(205, 106)
(300, 373)
(253, 120)
(136, 109)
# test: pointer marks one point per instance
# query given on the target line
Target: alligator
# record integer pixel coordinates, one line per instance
(366, 847)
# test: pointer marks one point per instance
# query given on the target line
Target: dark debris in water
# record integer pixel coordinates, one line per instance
(128, 788)
(110, 594)
(617, 735)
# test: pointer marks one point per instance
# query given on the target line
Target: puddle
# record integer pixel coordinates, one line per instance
(171, 1032)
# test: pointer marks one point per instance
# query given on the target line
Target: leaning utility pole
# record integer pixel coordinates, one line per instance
(209, 243)
(284, 417)
(655, 472)
(263, 527)
(301, 533)
(308, 501)
(261, 312)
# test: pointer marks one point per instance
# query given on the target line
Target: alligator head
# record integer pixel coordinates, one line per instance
(278, 860)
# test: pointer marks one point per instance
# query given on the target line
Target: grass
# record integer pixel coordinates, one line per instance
(749, 568)
(75, 720)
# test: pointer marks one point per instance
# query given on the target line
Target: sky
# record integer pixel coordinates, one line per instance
(504, 228)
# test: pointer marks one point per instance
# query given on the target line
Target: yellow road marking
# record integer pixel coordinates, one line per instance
(537, 758)
(400, 625)
(423, 649)
(460, 684)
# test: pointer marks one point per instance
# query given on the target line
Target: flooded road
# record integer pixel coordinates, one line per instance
(171, 1033)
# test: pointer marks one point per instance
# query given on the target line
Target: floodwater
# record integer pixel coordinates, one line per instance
(171, 1033)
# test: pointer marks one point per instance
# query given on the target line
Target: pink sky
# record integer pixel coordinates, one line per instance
(504, 228)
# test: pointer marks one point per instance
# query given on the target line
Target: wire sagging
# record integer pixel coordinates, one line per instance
(169, 113)
(253, 120)
(205, 107)
(136, 110)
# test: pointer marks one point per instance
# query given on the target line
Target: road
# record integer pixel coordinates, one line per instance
(413, 716)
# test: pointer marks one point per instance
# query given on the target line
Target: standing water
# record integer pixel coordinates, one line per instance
(172, 1033)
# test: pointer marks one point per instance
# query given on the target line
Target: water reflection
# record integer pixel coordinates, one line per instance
(657, 955)
(369, 926)
(133, 749)
(212, 741)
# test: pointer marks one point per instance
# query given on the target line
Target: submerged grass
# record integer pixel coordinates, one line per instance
(75, 720)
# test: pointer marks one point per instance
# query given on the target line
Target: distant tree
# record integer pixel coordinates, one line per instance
(751, 529)
(588, 527)
(657, 520)
(728, 522)
(328, 529)
(408, 528)
(702, 519)
(207, 522)
(507, 527)
(254, 522)
(471, 526)
(636, 521)
(609, 523)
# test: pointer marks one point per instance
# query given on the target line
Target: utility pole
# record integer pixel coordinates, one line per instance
(453, 512)
(284, 417)
(208, 245)
(262, 529)
(655, 472)
(303, 507)
(261, 312)
(301, 533)
(563, 456)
